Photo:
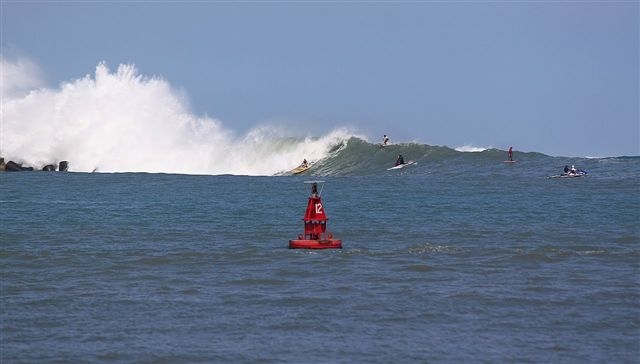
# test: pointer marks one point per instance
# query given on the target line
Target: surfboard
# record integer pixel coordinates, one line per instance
(399, 166)
(509, 161)
(299, 169)
(567, 175)
(579, 173)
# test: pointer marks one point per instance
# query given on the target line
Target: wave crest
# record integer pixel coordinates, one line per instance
(124, 122)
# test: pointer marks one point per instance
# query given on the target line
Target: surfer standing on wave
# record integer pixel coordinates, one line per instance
(385, 139)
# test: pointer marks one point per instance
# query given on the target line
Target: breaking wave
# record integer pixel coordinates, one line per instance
(124, 122)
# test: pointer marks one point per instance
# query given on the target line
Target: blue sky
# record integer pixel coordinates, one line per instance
(559, 78)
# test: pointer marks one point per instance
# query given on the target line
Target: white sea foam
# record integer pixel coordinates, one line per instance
(471, 148)
(124, 122)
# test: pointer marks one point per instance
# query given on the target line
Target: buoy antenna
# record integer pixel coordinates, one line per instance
(317, 182)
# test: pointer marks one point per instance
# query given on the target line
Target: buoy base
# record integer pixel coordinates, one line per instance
(315, 244)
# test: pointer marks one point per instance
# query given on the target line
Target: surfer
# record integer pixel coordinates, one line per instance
(511, 153)
(304, 163)
(400, 160)
(385, 139)
(566, 168)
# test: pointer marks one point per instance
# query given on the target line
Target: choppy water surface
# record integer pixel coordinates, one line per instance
(454, 260)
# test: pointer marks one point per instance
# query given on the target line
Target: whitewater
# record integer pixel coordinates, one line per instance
(122, 121)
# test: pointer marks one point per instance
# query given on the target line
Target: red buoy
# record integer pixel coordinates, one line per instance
(315, 219)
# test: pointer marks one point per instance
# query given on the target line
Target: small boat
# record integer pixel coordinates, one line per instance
(316, 235)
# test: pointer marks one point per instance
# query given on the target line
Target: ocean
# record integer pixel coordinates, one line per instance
(457, 258)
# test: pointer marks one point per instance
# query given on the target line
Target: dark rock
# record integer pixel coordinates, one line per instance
(12, 166)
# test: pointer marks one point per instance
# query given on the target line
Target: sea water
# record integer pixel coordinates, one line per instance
(458, 258)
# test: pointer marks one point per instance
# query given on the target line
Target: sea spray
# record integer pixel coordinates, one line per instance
(469, 148)
(124, 122)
